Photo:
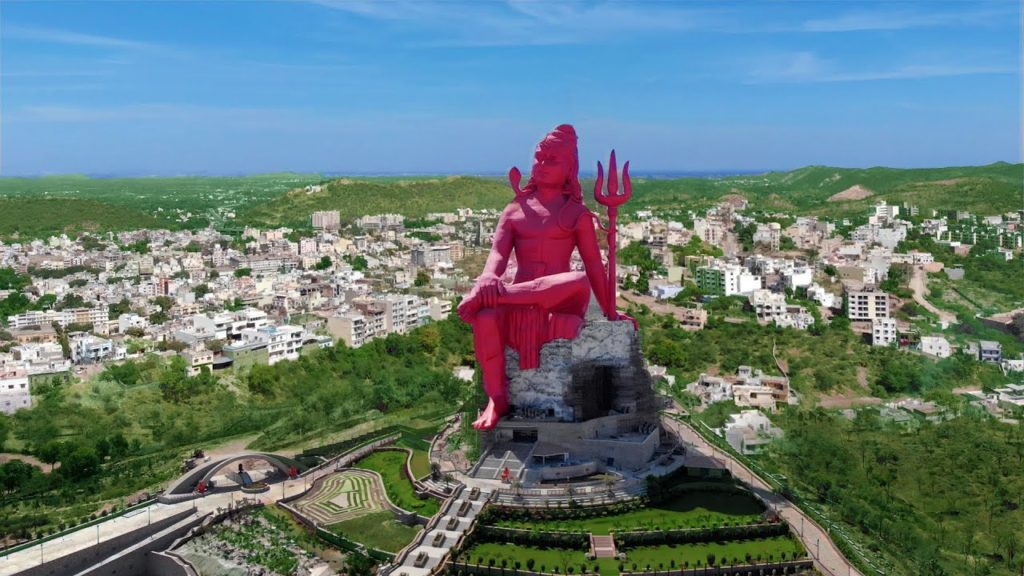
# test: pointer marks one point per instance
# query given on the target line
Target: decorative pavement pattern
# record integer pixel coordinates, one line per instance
(343, 496)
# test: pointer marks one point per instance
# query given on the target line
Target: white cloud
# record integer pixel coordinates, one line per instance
(807, 67)
(906, 19)
(56, 36)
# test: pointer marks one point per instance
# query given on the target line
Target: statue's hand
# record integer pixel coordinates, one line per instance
(489, 288)
(484, 294)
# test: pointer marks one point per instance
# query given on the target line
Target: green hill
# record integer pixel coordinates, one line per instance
(355, 197)
(826, 190)
(38, 217)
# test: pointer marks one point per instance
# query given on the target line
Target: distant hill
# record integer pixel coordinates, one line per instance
(40, 206)
(826, 190)
(27, 218)
(355, 197)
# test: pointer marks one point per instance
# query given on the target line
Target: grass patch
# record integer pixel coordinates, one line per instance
(391, 466)
(657, 557)
(378, 530)
(687, 510)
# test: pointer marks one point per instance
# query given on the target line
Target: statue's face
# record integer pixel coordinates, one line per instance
(550, 166)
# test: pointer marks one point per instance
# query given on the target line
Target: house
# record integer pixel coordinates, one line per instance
(990, 351)
(750, 431)
(936, 346)
(748, 388)
(14, 391)
(196, 359)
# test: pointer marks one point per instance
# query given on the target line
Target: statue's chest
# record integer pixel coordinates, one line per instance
(541, 225)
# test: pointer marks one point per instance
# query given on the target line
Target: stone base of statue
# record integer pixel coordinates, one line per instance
(588, 407)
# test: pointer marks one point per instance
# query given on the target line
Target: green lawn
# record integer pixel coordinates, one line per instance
(420, 463)
(687, 510)
(378, 530)
(549, 558)
(390, 465)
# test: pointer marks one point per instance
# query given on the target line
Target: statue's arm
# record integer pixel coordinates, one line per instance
(590, 253)
(501, 247)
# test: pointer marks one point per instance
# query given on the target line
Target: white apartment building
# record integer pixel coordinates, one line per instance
(710, 231)
(41, 358)
(89, 349)
(824, 297)
(769, 235)
(936, 346)
(883, 332)
(439, 308)
(14, 391)
(767, 305)
(131, 320)
(283, 342)
(427, 256)
(867, 305)
(94, 316)
(326, 220)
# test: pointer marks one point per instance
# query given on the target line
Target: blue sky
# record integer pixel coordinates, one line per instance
(181, 87)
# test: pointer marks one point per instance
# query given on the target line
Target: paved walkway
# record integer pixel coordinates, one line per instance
(827, 556)
(86, 537)
(602, 546)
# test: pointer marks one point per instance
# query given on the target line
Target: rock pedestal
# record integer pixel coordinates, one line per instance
(591, 398)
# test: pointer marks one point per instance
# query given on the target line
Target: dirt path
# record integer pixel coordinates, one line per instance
(918, 283)
(8, 456)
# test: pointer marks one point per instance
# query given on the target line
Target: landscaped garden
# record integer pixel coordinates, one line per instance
(342, 496)
(390, 465)
(377, 530)
(567, 560)
(690, 509)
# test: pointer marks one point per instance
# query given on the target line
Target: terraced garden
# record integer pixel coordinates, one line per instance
(690, 509)
(391, 467)
(343, 496)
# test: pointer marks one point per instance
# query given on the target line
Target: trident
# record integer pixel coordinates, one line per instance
(612, 200)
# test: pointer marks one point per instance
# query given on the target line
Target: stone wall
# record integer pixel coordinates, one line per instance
(600, 372)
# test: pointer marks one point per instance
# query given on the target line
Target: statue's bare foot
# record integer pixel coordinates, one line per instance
(493, 413)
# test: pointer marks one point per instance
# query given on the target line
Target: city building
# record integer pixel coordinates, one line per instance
(884, 332)
(326, 220)
(426, 256)
(726, 280)
(867, 305)
(15, 393)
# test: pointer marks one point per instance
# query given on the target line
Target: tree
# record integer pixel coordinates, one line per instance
(324, 263)
(5, 429)
(50, 453)
(422, 278)
(243, 272)
(202, 290)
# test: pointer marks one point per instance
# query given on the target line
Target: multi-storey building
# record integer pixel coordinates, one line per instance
(726, 280)
(326, 220)
(94, 316)
(884, 332)
(867, 305)
(427, 256)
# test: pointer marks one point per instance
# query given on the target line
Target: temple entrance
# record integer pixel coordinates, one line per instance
(525, 436)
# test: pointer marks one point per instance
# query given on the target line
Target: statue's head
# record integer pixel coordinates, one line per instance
(556, 162)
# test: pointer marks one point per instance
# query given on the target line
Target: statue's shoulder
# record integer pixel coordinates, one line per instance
(575, 212)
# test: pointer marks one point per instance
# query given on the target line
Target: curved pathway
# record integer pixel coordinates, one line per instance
(819, 544)
(918, 283)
